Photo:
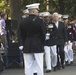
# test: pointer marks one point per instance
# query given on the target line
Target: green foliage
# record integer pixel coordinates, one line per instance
(70, 7)
(61, 6)
(4, 7)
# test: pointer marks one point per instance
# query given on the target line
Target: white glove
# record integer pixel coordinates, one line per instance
(47, 36)
(20, 47)
(1, 33)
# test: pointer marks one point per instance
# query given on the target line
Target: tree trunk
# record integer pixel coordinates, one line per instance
(15, 15)
(15, 10)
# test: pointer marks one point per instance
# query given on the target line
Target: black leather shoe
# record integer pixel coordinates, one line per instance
(66, 63)
(71, 62)
(48, 71)
(63, 66)
(55, 68)
(58, 68)
(1, 70)
(35, 74)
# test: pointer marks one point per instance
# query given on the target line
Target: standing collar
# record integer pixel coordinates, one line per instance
(32, 15)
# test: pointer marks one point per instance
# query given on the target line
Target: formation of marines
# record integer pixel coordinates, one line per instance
(59, 38)
(45, 36)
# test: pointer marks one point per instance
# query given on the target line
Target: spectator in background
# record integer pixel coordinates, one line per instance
(3, 32)
(0, 15)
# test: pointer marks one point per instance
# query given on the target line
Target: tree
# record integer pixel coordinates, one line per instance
(60, 6)
(15, 9)
(15, 15)
(70, 7)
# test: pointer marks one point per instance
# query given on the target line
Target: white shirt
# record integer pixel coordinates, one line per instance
(56, 23)
(2, 27)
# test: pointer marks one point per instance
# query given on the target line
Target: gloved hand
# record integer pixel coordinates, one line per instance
(20, 47)
(47, 36)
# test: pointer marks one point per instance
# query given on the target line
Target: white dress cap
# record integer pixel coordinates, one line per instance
(40, 13)
(60, 15)
(26, 11)
(33, 6)
(65, 16)
(46, 14)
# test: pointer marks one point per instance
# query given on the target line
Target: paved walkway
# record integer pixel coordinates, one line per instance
(69, 70)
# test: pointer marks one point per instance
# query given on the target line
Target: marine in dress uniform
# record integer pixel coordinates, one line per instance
(68, 49)
(33, 35)
(62, 39)
(26, 13)
(50, 44)
(65, 19)
(60, 17)
(74, 28)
